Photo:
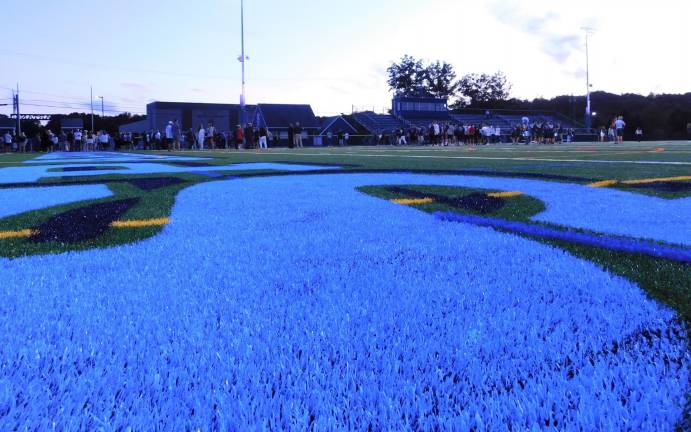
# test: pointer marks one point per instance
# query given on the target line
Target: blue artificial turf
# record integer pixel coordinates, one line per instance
(20, 200)
(297, 302)
(36, 172)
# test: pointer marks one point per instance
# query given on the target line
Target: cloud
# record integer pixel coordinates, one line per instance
(339, 90)
(579, 73)
(558, 46)
(137, 87)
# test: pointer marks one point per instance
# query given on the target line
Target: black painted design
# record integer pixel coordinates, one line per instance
(477, 202)
(153, 183)
(83, 223)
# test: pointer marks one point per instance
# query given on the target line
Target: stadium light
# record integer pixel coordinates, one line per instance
(588, 123)
(242, 59)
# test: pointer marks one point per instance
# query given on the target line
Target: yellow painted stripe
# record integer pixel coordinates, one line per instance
(412, 201)
(140, 223)
(603, 183)
(504, 194)
(655, 180)
(17, 234)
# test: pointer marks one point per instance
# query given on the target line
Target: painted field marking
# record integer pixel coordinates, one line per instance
(144, 223)
(603, 183)
(656, 180)
(4, 235)
(17, 234)
(604, 241)
(412, 201)
(504, 194)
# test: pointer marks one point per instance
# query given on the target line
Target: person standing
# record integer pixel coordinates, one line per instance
(21, 142)
(249, 136)
(7, 138)
(298, 135)
(620, 124)
(157, 140)
(89, 141)
(169, 135)
(211, 135)
(78, 140)
(55, 140)
(239, 137)
(177, 133)
(201, 136)
(639, 134)
(291, 136)
(262, 138)
(104, 141)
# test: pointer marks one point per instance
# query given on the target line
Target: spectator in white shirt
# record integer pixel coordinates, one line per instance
(620, 124)
(201, 135)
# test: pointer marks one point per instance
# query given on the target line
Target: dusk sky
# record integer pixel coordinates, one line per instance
(330, 54)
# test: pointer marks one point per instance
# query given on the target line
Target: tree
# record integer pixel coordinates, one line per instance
(482, 90)
(406, 76)
(440, 80)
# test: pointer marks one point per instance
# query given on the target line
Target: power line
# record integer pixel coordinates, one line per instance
(76, 108)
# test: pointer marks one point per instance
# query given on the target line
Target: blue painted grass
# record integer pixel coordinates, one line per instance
(208, 174)
(297, 302)
(71, 157)
(27, 174)
(601, 241)
(21, 200)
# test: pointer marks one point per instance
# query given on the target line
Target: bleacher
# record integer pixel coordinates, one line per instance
(377, 122)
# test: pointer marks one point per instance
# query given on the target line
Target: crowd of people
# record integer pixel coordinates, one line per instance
(615, 131)
(171, 138)
(446, 133)
(45, 140)
(208, 137)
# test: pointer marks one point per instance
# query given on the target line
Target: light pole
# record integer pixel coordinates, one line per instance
(102, 111)
(588, 116)
(241, 59)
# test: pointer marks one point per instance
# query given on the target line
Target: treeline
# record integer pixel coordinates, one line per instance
(665, 116)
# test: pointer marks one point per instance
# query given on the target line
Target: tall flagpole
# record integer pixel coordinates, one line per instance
(588, 108)
(243, 108)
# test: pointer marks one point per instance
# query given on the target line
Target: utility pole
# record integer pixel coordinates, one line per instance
(92, 109)
(102, 110)
(242, 59)
(16, 109)
(588, 110)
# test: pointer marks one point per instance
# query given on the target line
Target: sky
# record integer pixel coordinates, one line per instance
(330, 54)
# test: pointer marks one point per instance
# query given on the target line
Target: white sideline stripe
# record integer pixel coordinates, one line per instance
(473, 157)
